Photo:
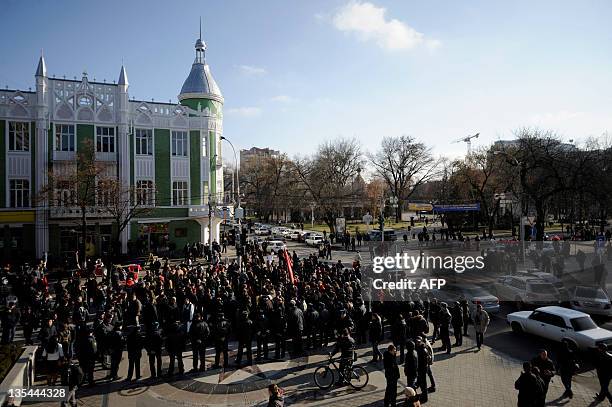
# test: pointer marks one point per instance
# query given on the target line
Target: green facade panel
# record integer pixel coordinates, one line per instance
(214, 106)
(165, 213)
(3, 164)
(84, 134)
(189, 232)
(195, 163)
(163, 193)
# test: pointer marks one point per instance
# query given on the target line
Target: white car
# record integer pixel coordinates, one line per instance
(525, 291)
(592, 300)
(273, 246)
(295, 234)
(314, 240)
(262, 231)
(550, 278)
(561, 325)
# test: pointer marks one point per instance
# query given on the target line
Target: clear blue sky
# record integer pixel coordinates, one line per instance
(297, 73)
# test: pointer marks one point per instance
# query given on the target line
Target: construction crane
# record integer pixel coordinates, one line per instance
(468, 141)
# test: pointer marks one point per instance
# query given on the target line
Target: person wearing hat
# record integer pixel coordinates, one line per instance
(199, 333)
(244, 328)
(530, 387)
(603, 367)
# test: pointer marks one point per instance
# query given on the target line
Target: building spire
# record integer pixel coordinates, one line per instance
(123, 79)
(41, 70)
(200, 47)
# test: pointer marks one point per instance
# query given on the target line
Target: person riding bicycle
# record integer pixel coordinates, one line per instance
(345, 344)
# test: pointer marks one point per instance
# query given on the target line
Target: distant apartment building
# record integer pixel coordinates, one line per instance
(252, 155)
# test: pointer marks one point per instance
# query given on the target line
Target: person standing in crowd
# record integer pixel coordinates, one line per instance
(134, 345)
(445, 320)
(115, 345)
(411, 364)
(545, 369)
(72, 378)
(53, 354)
(392, 375)
(153, 346)
(244, 332)
(199, 333)
(481, 322)
(175, 345)
(87, 350)
(376, 333)
(398, 335)
(262, 333)
(221, 331)
(457, 321)
(465, 311)
(529, 386)
(603, 367)
(566, 361)
(10, 318)
(295, 328)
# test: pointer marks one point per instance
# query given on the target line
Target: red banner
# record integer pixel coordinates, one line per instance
(289, 265)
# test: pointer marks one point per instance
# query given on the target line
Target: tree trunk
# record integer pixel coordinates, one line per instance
(540, 221)
(83, 244)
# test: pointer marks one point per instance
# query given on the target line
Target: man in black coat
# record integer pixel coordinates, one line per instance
(392, 375)
(134, 349)
(376, 334)
(10, 317)
(262, 332)
(199, 333)
(115, 347)
(278, 323)
(444, 323)
(603, 366)
(87, 350)
(546, 369)
(244, 332)
(221, 331)
(175, 345)
(457, 320)
(398, 335)
(423, 362)
(566, 360)
(411, 364)
(530, 387)
(154, 350)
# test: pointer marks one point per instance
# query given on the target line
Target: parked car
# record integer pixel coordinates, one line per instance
(526, 291)
(263, 231)
(475, 295)
(275, 245)
(561, 325)
(314, 240)
(591, 300)
(295, 234)
(550, 278)
(375, 235)
(306, 235)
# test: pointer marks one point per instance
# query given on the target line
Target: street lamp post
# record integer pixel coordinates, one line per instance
(517, 164)
(238, 208)
(312, 208)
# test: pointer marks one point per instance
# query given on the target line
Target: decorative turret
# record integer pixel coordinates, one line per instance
(200, 87)
(41, 70)
(123, 80)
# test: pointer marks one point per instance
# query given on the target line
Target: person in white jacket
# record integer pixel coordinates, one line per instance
(481, 322)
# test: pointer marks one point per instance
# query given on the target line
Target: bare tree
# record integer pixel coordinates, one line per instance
(328, 176)
(404, 164)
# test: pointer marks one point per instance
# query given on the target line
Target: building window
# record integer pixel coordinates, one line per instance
(65, 195)
(105, 139)
(179, 143)
(144, 193)
(64, 137)
(20, 193)
(144, 142)
(179, 193)
(19, 136)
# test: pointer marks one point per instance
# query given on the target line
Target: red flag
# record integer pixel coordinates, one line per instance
(289, 265)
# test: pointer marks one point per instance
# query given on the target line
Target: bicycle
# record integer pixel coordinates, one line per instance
(356, 376)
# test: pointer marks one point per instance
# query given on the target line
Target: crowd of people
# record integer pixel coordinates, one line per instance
(285, 307)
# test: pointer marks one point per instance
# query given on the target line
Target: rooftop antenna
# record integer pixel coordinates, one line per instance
(200, 28)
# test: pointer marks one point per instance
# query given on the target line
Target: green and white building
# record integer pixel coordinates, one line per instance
(170, 153)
